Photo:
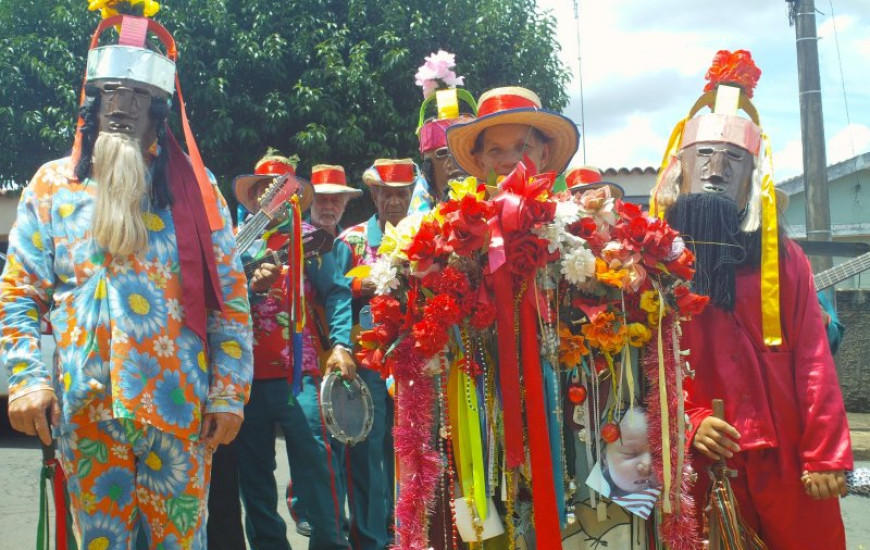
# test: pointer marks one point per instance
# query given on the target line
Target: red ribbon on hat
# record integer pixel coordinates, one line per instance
(329, 175)
(499, 103)
(396, 173)
(274, 168)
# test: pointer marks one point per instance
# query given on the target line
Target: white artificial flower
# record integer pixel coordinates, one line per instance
(384, 275)
(551, 233)
(567, 212)
(578, 265)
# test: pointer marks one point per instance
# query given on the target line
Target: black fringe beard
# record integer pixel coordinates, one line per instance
(710, 225)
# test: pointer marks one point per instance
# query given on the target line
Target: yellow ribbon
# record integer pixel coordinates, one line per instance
(467, 443)
(666, 423)
(770, 321)
(671, 152)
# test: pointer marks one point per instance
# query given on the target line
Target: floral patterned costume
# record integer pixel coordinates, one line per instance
(129, 375)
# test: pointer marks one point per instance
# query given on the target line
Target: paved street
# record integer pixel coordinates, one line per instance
(19, 504)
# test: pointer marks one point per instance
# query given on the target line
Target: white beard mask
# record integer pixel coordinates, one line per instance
(120, 173)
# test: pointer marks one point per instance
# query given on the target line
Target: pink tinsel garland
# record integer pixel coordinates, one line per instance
(677, 530)
(419, 466)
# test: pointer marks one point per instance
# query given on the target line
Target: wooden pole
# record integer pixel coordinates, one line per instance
(818, 208)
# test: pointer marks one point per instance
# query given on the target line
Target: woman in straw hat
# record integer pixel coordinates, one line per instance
(510, 124)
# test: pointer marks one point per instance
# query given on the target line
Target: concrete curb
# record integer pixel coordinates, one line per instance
(859, 429)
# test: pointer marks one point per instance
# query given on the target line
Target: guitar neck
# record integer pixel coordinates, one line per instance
(279, 257)
(251, 231)
(849, 268)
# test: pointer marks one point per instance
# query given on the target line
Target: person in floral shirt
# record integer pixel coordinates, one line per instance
(127, 247)
(286, 373)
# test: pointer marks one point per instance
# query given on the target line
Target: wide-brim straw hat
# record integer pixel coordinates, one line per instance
(514, 105)
(584, 178)
(329, 179)
(269, 168)
(391, 173)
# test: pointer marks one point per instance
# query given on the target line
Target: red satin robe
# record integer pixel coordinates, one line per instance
(785, 401)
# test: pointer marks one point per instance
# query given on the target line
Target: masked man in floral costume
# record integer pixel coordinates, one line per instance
(391, 183)
(128, 246)
(760, 346)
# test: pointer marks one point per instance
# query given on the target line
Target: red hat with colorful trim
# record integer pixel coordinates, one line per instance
(271, 166)
(391, 173)
(439, 84)
(514, 105)
(584, 178)
(329, 179)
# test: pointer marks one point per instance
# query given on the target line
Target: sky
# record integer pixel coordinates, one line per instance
(643, 65)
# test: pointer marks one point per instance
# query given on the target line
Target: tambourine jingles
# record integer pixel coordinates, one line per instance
(347, 408)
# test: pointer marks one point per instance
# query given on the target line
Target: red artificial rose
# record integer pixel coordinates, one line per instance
(372, 359)
(628, 210)
(538, 212)
(430, 337)
(525, 254)
(465, 224)
(443, 309)
(689, 303)
(683, 266)
(386, 309)
(385, 334)
(427, 246)
(587, 229)
(449, 280)
(658, 242)
(483, 315)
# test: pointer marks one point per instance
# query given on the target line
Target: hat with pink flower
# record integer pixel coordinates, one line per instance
(439, 83)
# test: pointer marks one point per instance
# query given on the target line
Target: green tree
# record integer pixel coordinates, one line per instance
(330, 80)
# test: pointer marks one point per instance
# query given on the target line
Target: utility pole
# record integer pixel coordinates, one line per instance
(818, 209)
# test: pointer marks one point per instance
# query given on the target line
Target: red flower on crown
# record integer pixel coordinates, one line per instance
(736, 68)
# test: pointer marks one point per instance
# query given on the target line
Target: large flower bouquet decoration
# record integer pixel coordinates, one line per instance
(534, 281)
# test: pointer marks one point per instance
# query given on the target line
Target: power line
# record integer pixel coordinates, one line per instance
(580, 81)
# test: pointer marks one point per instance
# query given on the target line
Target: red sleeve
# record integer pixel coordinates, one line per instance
(825, 443)
(695, 414)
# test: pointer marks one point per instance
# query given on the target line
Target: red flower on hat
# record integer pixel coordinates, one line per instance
(735, 68)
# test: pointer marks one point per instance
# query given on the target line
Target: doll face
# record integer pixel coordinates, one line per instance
(628, 459)
(717, 167)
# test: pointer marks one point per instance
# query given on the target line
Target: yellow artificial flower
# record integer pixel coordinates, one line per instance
(108, 8)
(638, 334)
(467, 186)
(649, 301)
(612, 277)
(397, 238)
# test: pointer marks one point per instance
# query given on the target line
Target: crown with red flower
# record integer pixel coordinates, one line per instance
(733, 69)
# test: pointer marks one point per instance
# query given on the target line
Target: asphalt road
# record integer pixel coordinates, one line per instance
(19, 500)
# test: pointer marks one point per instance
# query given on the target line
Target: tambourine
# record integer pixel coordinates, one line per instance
(347, 408)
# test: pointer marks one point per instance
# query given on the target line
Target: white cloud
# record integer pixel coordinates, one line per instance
(848, 142)
(644, 63)
(840, 23)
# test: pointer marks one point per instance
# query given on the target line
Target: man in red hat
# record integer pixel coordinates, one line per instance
(391, 183)
(283, 369)
(331, 195)
(760, 344)
(127, 246)
(511, 124)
